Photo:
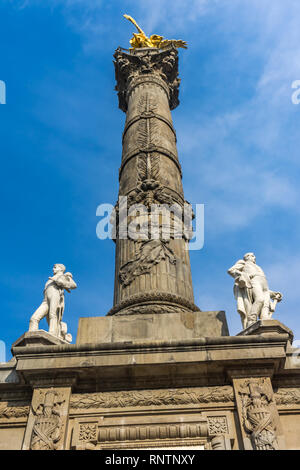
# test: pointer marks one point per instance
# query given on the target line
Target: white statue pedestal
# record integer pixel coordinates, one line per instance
(37, 338)
(267, 327)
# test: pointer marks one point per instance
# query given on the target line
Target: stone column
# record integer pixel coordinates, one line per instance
(152, 275)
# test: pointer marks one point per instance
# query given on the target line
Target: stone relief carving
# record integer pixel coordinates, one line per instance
(161, 66)
(156, 212)
(217, 425)
(287, 396)
(53, 304)
(88, 432)
(152, 308)
(254, 299)
(148, 115)
(147, 126)
(150, 298)
(47, 428)
(14, 409)
(148, 254)
(152, 397)
(133, 433)
(258, 414)
(154, 148)
(155, 433)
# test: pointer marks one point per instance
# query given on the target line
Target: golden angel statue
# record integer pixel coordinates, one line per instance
(141, 40)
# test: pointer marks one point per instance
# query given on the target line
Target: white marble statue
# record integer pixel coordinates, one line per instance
(53, 304)
(254, 299)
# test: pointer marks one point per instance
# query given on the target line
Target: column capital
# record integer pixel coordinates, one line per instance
(144, 66)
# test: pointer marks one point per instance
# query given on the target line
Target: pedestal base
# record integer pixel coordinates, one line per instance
(37, 338)
(152, 327)
(266, 327)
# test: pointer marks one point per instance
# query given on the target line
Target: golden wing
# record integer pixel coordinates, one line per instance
(173, 42)
(129, 18)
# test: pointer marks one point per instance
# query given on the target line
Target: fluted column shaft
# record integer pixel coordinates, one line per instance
(151, 275)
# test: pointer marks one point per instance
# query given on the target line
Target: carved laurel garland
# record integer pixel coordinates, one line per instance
(287, 396)
(153, 296)
(152, 397)
(152, 308)
(14, 409)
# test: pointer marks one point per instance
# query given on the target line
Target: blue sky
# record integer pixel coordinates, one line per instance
(60, 145)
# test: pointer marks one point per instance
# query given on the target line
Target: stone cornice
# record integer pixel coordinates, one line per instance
(279, 340)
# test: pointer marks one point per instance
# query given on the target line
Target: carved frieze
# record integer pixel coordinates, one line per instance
(287, 396)
(131, 398)
(14, 409)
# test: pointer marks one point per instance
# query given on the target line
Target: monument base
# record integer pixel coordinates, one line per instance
(152, 327)
(267, 327)
(37, 338)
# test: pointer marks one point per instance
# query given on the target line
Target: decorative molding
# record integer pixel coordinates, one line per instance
(217, 425)
(287, 396)
(88, 432)
(153, 432)
(153, 297)
(90, 435)
(14, 409)
(153, 308)
(258, 414)
(160, 397)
